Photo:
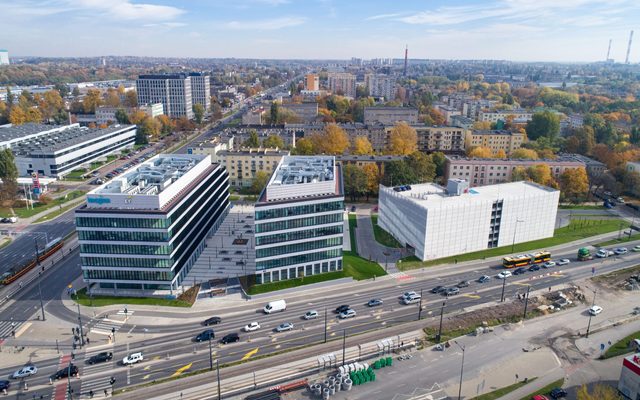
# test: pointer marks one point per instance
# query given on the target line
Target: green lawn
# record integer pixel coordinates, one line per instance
(76, 175)
(383, 237)
(353, 224)
(496, 394)
(55, 214)
(621, 347)
(576, 230)
(580, 207)
(625, 239)
(98, 301)
(234, 197)
(545, 390)
(353, 266)
(24, 212)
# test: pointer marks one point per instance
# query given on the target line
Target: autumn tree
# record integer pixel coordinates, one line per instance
(373, 178)
(574, 185)
(361, 146)
(544, 123)
(598, 392)
(166, 124)
(586, 137)
(259, 182)
(501, 154)
(198, 112)
(51, 104)
(303, 147)
(403, 139)
(479, 152)
(184, 124)
(131, 99)
(216, 111)
(252, 141)
(112, 99)
(91, 101)
(273, 141)
(17, 116)
(519, 174)
(333, 140)
(541, 174)
(422, 166)
(8, 174)
(137, 117)
(631, 182)
(482, 125)
(355, 181)
(524, 154)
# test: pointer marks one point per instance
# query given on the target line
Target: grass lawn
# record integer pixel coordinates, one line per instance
(76, 175)
(98, 301)
(383, 237)
(625, 239)
(576, 230)
(57, 213)
(580, 207)
(353, 224)
(545, 390)
(353, 266)
(234, 197)
(496, 394)
(24, 212)
(621, 347)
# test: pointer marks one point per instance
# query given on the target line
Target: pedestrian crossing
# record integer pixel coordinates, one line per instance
(97, 384)
(401, 276)
(105, 326)
(128, 313)
(7, 327)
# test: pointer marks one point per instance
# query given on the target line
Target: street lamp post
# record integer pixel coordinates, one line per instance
(513, 244)
(461, 370)
(526, 301)
(504, 283)
(591, 315)
(420, 306)
(325, 324)
(210, 355)
(344, 343)
(218, 373)
(440, 327)
(80, 325)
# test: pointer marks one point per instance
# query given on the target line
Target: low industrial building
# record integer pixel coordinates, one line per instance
(299, 220)
(54, 151)
(141, 233)
(435, 222)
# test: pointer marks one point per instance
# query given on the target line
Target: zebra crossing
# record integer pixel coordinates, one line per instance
(106, 326)
(8, 327)
(97, 384)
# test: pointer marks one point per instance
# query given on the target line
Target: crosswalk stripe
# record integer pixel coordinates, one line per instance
(6, 328)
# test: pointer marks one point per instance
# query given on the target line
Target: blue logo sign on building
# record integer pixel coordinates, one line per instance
(98, 200)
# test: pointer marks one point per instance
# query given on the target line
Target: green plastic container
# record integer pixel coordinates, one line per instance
(389, 361)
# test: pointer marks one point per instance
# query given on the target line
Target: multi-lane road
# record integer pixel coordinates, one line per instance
(175, 352)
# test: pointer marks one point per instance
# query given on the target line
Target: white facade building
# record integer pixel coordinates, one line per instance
(381, 86)
(201, 89)
(4, 57)
(342, 83)
(437, 222)
(172, 90)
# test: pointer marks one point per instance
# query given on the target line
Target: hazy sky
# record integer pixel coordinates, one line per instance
(549, 30)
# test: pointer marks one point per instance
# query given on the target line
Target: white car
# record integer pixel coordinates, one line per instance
(254, 326)
(595, 310)
(549, 264)
(604, 253)
(636, 249)
(408, 294)
(25, 372)
(621, 250)
(503, 275)
(132, 358)
(287, 326)
(350, 313)
(313, 314)
(564, 261)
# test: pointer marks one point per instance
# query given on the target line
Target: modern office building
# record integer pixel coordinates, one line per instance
(496, 140)
(4, 57)
(312, 82)
(201, 89)
(342, 83)
(172, 90)
(142, 232)
(56, 150)
(435, 222)
(390, 115)
(299, 220)
(381, 85)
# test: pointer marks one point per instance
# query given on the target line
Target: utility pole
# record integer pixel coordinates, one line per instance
(461, 371)
(69, 381)
(35, 240)
(344, 342)
(218, 373)
(526, 301)
(325, 324)
(504, 283)
(440, 328)
(590, 315)
(80, 325)
(420, 306)
(210, 355)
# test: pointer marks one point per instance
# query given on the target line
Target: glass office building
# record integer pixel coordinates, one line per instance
(299, 220)
(144, 230)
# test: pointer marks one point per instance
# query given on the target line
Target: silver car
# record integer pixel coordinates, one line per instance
(25, 372)
(287, 326)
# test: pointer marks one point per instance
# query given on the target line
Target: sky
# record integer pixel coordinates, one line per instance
(519, 30)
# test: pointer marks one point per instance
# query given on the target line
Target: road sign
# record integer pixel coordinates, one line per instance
(601, 346)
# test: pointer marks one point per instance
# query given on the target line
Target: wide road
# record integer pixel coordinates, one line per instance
(174, 352)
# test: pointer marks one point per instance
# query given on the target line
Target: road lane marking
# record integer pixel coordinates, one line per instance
(471, 296)
(521, 284)
(249, 354)
(146, 368)
(180, 370)
(146, 377)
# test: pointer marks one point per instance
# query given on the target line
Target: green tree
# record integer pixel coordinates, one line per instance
(259, 182)
(121, 116)
(62, 88)
(422, 166)
(76, 92)
(398, 173)
(273, 141)
(198, 112)
(303, 147)
(8, 174)
(274, 113)
(253, 141)
(439, 161)
(545, 124)
(574, 185)
(355, 181)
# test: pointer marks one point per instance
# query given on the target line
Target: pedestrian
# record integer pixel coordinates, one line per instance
(91, 394)
(549, 288)
(105, 393)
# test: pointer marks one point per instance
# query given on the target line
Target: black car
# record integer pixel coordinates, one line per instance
(100, 357)
(519, 271)
(212, 321)
(64, 373)
(534, 267)
(205, 335)
(4, 385)
(230, 338)
(463, 284)
(558, 393)
(484, 278)
(438, 289)
(342, 308)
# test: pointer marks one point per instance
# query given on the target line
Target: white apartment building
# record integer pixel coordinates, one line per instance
(436, 222)
(201, 89)
(4, 57)
(172, 90)
(502, 115)
(342, 83)
(381, 86)
(107, 114)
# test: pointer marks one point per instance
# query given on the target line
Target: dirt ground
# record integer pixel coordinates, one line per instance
(624, 279)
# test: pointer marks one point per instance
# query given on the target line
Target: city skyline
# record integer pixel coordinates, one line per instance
(520, 30)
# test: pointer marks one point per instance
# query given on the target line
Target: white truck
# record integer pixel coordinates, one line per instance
(132, 359)
(273, 306)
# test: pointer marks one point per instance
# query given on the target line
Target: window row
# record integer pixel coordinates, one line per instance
(111, 222)
(126, 262)
(124, 275)
(299, 259)
(298, 272)
(141, 249)
(298, 235)
(124, 236)
(300, 210)
(298, 247)
(298, 223)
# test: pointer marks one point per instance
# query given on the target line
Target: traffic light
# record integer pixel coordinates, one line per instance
(113, 330)
(112, 380)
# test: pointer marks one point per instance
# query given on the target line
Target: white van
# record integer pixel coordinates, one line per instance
(273, 306)
(412, 299)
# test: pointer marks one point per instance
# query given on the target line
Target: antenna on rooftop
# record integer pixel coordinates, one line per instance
(608, 51)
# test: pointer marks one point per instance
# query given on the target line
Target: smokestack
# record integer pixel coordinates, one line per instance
(406, 57)
(626, 60)
(608, 51)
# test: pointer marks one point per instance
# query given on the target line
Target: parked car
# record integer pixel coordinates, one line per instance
(620, 251)
(4, 385)
(539, 397)
(205, 335)
(25, 372)
(595, 310)
(534, 267)
(564, 261)
(484, 278)
(504, 275)
(350, 313)
(311, 314)
(64, 373)
(230, 338)
(462, 284)
(133, 358)
(374, 302)
(100, 357)
(212, 321)
(254, 326)
(519, 271)
(558, 393)
(452, 291)
(10, 220)
(438, 289)
(342, 308)
(286, 326)
(549, 264)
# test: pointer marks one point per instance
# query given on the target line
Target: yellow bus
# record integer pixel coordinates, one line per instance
(526, 259)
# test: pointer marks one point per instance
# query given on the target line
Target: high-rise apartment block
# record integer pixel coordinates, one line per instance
(4, 57)
(342, 83)
(299, 220)
(172, 90)
(201, 89)
(381, 86)
(311, 82)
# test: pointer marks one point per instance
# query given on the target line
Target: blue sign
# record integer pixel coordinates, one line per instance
(601, 346)
(189, 151)
(98, 200)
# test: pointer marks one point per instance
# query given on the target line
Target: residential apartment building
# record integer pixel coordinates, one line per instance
(462, 122)
(4, 57)
(496, 140)
(172, 90)
(380, 85)
(107, 114)
(502, 115)
(201, 89)
(436, 222)
(362, 160)
(299, 220)
(390, 115)
(342, 83)
(448, 139)
(448, 112)
(307, 112)
(489, 171)
(311, 82)
(253, 117)
(54, 151)
(243, 165)
(142, 232)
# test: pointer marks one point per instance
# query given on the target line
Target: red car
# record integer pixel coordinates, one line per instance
(539, 397)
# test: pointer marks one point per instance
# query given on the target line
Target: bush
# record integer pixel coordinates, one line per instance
(44, 199)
